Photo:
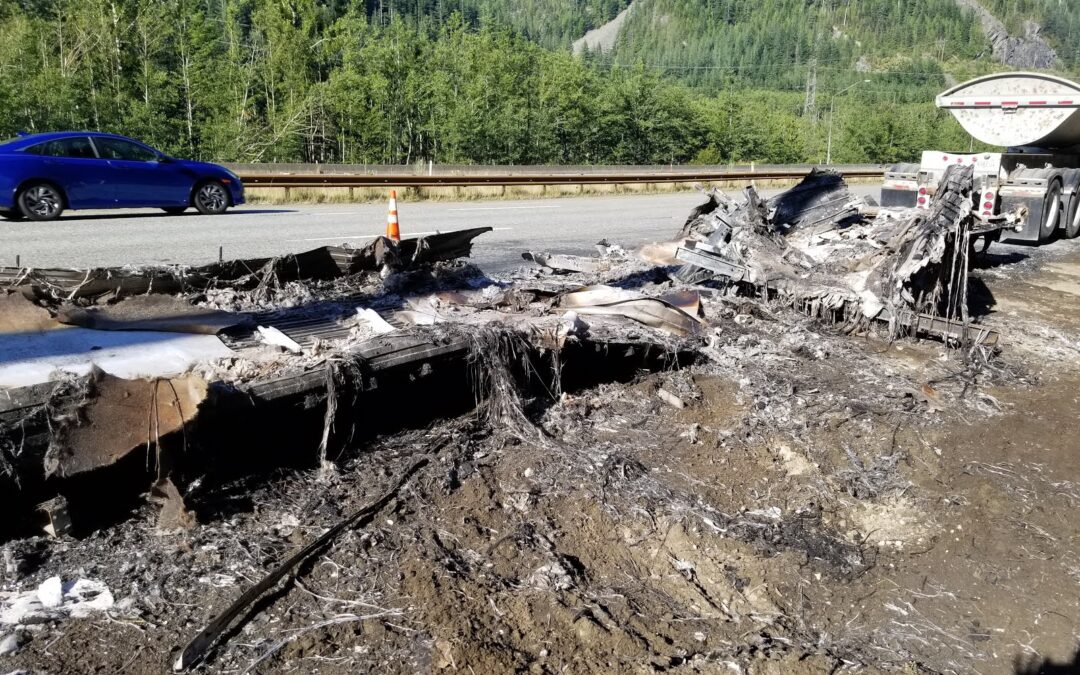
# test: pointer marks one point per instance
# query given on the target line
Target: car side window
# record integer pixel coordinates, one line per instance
(114, 148)
(77, 146)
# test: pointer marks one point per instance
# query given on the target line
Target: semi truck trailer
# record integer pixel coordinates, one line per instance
(1034, 184)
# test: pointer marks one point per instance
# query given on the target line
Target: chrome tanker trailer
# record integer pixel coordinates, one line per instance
(1036, 117)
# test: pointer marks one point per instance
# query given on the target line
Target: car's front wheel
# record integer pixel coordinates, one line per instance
(211, 198)
(41, 201)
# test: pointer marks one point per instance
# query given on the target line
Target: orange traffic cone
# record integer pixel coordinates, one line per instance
(392, 230)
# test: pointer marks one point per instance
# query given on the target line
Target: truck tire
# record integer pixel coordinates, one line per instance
(1072, 217)
(1051, 211)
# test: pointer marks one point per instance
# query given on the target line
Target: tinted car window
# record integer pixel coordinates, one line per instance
(114, 148)
(77, 146)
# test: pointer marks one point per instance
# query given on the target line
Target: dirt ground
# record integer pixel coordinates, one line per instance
(822, 502)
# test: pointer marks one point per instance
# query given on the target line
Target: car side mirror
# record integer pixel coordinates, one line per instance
(164, 159)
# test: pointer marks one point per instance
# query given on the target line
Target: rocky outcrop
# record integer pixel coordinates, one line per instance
(602, 39)
(1029, 51)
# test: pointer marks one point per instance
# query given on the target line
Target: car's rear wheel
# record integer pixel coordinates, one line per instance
(174, 210)
(41, 201)
(211, 198)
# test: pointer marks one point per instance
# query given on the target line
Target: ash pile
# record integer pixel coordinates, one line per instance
(154, 410)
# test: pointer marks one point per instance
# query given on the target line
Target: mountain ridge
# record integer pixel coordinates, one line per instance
(495, 81)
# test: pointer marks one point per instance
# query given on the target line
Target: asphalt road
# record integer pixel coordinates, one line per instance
(565, 225)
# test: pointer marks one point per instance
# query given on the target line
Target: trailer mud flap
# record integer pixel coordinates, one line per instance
(899, 197)
(1014, 199)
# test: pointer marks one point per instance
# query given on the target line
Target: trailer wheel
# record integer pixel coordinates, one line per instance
(1072, 217)
(1051, 211)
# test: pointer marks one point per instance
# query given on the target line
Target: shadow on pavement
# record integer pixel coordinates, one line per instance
(159, 214)
(991, 260)
(1031, 665)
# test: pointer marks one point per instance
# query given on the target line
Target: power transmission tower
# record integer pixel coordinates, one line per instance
(810, 103)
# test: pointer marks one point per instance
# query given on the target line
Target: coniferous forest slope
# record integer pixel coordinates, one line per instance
(494, 81)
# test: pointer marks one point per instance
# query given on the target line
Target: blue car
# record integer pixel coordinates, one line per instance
(41, 175)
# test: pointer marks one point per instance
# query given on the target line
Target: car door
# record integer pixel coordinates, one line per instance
(140, 176)
(73, 165)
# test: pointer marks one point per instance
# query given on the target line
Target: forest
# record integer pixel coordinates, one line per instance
(492, 81)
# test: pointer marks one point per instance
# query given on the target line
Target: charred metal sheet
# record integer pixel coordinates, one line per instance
(118, 416)
(563, 263)
(687, 301)
(153, 313)
(654, 312)
(377, 355)
(392, 351)
(302, 329)
(71, 284)
(56, 520)
(174, 515)
(15, 401)
(327, 262)
(822, 196)
(936, 326)
(441, 246)
(367, 258)
(704, 256)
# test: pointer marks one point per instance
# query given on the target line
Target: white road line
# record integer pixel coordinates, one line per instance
(406, 234)
(509, 208)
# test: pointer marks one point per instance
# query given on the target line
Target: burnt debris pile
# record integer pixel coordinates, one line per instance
(151, 381)
(628, 450)
(820, 249)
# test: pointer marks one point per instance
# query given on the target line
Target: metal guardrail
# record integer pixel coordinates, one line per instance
(322, 180)
(432, 169)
